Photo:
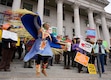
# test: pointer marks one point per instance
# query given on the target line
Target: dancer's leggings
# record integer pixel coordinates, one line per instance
(43, 58)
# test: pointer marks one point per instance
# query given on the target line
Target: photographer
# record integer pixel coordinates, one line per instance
(100, 49)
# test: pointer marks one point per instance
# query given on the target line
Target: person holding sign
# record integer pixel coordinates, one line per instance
(8, 47)
(75, 47)
(99, 49)
(90, 55)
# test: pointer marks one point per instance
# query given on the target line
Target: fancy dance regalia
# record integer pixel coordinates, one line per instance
(54, 42)
(32, 23)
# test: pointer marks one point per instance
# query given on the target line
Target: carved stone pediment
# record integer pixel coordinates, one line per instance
(103, 1)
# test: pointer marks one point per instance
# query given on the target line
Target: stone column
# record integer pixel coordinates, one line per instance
(98, 30)
(105, 28)
(16, 4)
(76, 19)
(60, 17)
(91, 19)
(40, 8)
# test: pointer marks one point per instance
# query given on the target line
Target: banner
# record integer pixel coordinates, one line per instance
(92, 69)
(91, 33)
(9, 35)
(85, 46)
(82, 59)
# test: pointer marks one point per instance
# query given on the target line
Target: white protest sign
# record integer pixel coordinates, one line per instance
(85, 46)
(9, 35)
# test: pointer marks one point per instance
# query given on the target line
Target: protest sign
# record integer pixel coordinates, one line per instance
(91, 33)
(82, 59)
(9, 35)
(85, 46)
(18, 42)
(92, 69)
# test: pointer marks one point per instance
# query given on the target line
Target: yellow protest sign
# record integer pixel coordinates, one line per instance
(82, 59)
(18, 42)
(0, 34)
(92, 69)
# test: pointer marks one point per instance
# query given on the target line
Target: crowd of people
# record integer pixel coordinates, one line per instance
(64, 49)
(50, 50)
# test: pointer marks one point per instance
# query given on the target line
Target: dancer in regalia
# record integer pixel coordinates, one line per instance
(41, 49)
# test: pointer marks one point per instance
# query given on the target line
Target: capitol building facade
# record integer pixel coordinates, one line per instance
(70, 17)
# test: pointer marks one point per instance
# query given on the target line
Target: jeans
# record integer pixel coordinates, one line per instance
(101, 57)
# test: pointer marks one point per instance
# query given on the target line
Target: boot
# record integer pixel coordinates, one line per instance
(2, 67)
(1, 63)
(7, 68)
(38, 70)
(29, 66)
(44, 69)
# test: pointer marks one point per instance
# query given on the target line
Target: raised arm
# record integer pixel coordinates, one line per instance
(44, 34)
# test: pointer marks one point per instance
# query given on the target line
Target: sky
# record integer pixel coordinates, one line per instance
(108, 8)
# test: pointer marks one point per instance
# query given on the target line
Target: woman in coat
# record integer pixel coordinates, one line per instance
(76, 48)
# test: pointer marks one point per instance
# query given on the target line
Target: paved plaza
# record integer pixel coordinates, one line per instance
(56, 72)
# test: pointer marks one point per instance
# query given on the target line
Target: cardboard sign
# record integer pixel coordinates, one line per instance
(0, 34)
(91, 33)
(92, 69)
(54, 31)
(85, 46)
(18, 42)
(82, 59)
(9, 35)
